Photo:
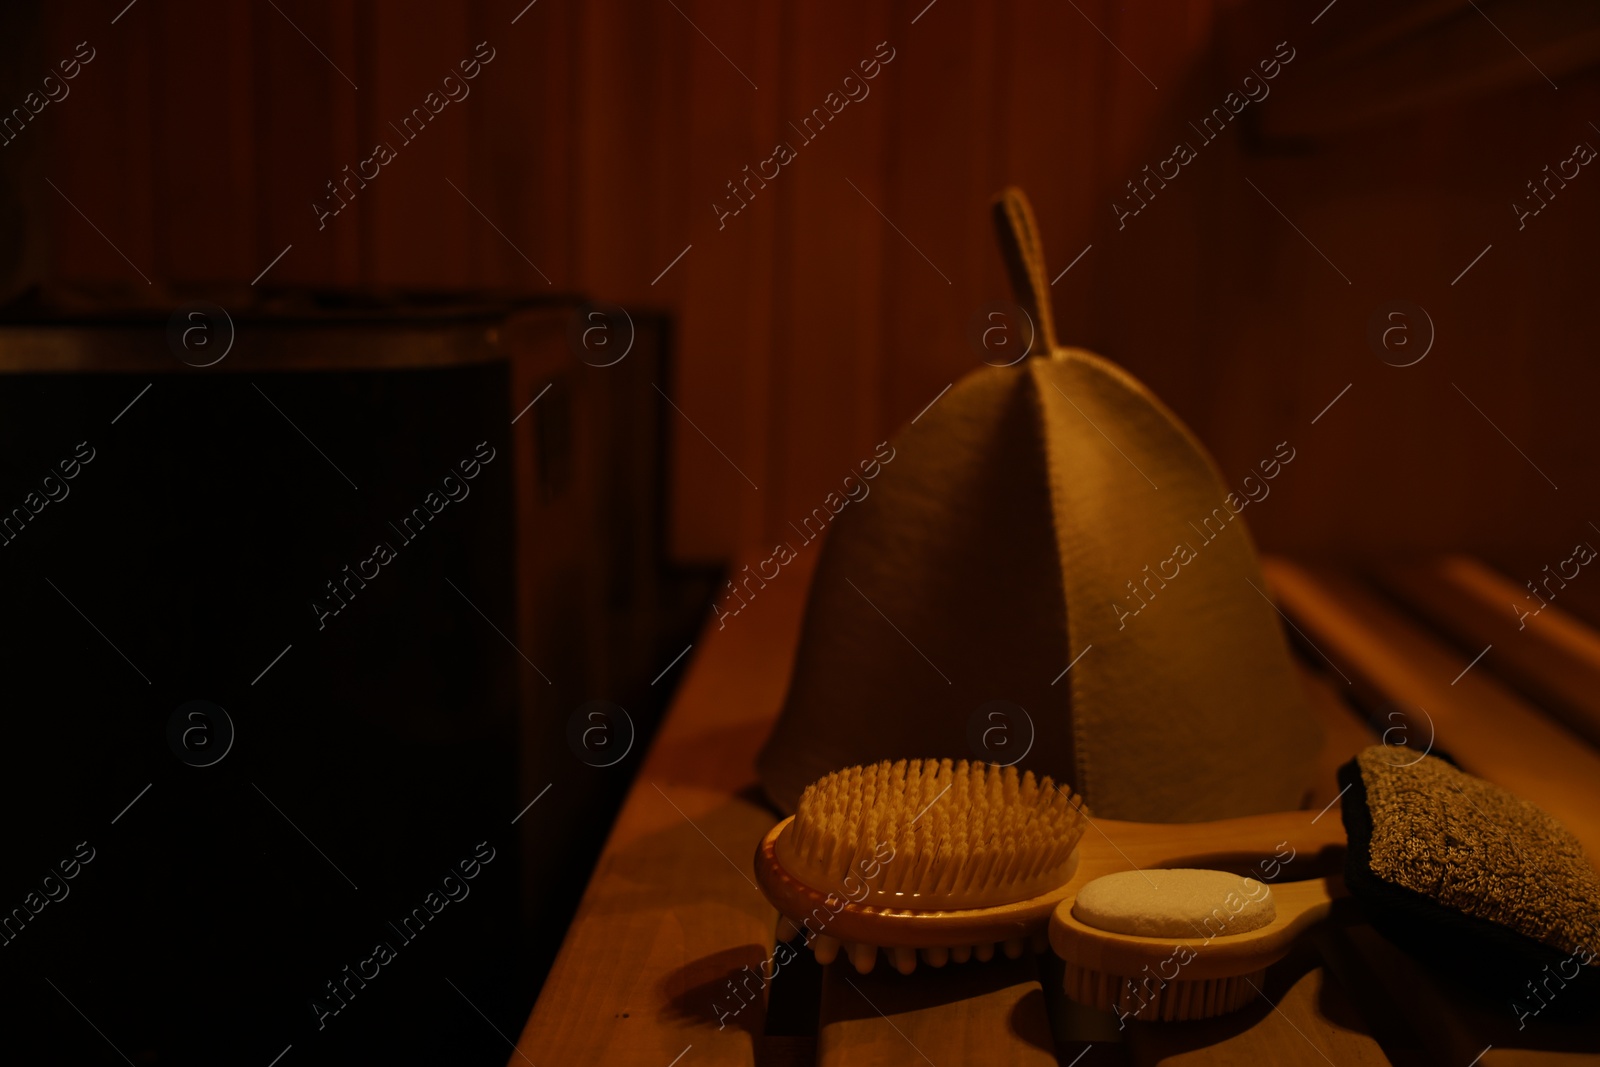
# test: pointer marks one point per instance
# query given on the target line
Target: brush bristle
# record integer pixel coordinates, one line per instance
(1157, 1001)
(929, 834)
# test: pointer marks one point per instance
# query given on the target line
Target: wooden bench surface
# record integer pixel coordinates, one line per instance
(662, 964)
(672, 912)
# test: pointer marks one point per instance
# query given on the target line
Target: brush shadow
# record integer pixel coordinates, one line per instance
(851, 1001)
(695, 992)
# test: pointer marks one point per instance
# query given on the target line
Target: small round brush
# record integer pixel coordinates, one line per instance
(1199, 946)
(1150, 928)
(936, 860)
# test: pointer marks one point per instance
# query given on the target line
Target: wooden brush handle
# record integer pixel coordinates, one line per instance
(1275, 847)
(1279, 849)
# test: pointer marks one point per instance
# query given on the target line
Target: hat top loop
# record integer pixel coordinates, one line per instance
(1023, 252)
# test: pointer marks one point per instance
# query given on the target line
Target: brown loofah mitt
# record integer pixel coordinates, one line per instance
(1458, 868)
(1049, 513)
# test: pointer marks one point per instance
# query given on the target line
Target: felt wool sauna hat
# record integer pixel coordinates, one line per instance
(1042, 514)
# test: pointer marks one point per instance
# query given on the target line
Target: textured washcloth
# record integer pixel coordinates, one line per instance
(1437, 853)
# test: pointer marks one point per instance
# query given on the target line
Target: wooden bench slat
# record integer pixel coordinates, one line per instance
(1551, 656)
(962, 1013)
(1457, 1022)
(1488, 729)
(1303, 1019)
(671, 912)
(1344, 733)
(1580, 598)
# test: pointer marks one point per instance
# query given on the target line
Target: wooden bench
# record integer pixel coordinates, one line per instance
(671, 919)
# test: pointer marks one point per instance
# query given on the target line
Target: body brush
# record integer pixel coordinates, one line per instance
(1150, 929)
(930, 860)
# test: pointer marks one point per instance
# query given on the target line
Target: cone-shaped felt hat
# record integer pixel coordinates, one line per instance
(1049, 513)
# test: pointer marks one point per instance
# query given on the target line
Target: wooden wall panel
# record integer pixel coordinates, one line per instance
(203, 186)
(98, 152)
(729, 286)
(842, 255)
(417, 227)
(807, 328)
(522, 125)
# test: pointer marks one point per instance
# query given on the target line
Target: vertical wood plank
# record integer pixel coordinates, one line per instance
(306, 117)
(419, 231)
(203, 186)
